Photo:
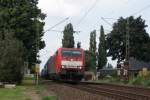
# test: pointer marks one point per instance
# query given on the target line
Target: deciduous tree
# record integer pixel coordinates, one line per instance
(26, 21)
(11, 58)
(138, 37)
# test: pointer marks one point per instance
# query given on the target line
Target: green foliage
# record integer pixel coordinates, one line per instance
(137, 81)
(102, 59)
(68, 38)
(11, 60)
(87, 60)
(139, 38)
(50, 98)
(92, 47)
(79, 45)
(25, 19)
(92, 51)
(90, 61)
(147, 83)
(13, 94)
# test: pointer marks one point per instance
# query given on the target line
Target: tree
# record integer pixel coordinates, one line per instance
(11, 58)
(68, 38)
(92, 51)
(138, 37)
(26, 20)
(102, 59)
(87, 60)
(79, 45)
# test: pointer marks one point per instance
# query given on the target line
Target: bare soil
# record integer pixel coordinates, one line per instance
(64, 92)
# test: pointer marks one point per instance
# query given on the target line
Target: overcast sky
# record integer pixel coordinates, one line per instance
(85, 15)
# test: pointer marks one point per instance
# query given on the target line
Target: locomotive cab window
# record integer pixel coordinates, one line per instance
(71, 53)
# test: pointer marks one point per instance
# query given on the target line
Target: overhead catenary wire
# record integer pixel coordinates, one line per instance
(146, 7)
(141, 10)
(56, 24)
(127, 34)
(63, 31)
(106, 21)
(87, 12)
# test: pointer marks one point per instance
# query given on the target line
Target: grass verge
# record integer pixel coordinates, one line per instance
(49, 98)
(13, 94)
(21, 92)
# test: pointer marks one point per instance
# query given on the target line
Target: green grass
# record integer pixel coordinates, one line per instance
(13, 94)
(17, 93)
(50, 98)
(20, 92)
(139, 81)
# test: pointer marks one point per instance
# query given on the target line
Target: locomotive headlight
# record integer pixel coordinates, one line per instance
(80, 67)
(63, 66)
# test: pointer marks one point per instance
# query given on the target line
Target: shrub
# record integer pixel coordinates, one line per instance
(137, 81)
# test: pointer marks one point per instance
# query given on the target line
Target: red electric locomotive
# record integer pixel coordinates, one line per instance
(66, 64)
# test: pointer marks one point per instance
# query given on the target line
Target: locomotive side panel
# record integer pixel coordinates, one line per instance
(58, 61)
(51, 66)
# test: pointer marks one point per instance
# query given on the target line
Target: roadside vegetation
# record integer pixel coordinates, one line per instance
(21, 31)
(13, 94)
(139, 80)
(49, 98)
(26, 91)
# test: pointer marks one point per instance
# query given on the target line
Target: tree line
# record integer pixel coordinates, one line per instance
(21, 31)
(113, 44)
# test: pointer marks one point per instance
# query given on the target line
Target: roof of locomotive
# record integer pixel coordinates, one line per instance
(70, 49)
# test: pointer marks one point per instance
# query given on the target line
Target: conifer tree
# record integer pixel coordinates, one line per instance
(92, 51)
(68, 38)
(102, 59)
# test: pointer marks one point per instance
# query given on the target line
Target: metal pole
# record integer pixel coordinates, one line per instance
(126, 64)
(37, 49)
(127, 41)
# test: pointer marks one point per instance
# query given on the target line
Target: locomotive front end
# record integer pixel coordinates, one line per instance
(72, 64)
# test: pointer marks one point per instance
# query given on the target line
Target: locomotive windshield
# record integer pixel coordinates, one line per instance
(71, 53)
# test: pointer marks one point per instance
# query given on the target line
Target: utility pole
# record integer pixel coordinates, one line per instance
(127, 40)
(126, 63)
(37, 67)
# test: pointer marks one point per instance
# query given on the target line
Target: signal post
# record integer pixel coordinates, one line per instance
(37, 70)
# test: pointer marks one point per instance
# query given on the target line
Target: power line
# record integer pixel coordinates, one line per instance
(146, 7)
(56, 24)
(109, 18)
(106, 21)
(87, 12)
(63, 31)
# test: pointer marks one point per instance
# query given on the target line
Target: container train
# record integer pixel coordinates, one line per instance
(66, 64)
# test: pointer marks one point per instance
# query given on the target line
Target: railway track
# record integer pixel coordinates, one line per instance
(134, 89)
(116, 92)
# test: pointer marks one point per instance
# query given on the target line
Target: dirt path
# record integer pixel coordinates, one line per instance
(32, 93)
